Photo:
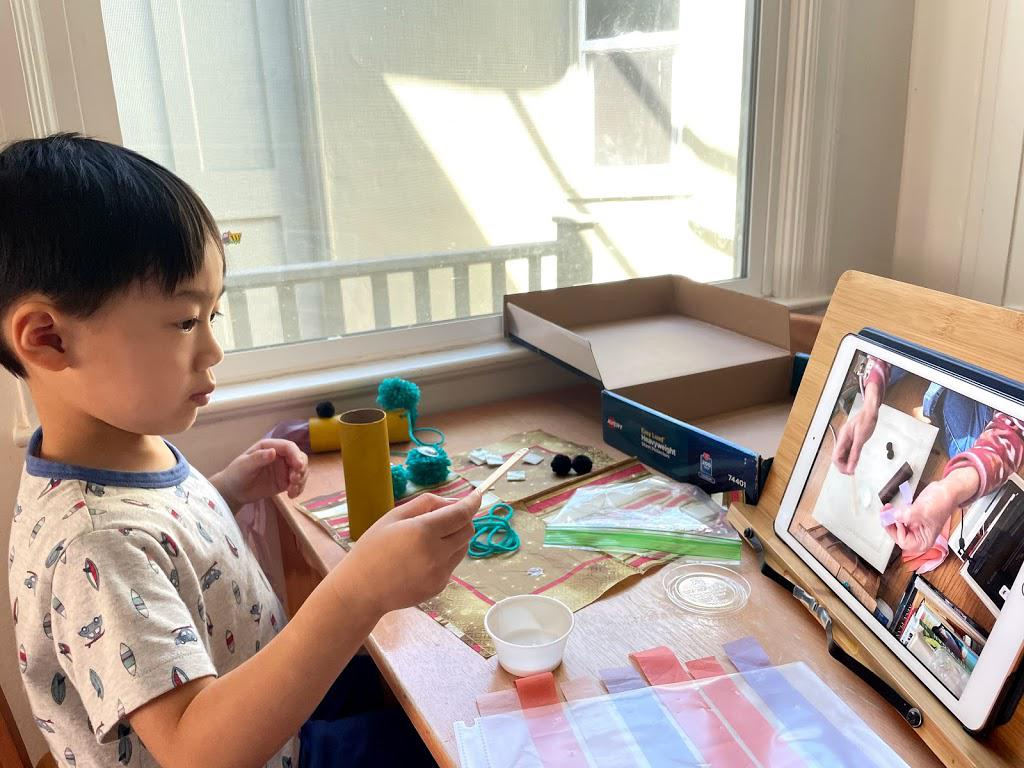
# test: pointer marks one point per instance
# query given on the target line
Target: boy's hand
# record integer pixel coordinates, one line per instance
(408, 555)
(265, 469)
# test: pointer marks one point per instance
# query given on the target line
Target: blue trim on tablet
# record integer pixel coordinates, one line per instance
(994, 382)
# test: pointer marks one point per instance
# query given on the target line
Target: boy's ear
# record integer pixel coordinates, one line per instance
(38, 335)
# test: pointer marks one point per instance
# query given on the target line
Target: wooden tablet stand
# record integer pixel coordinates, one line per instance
(987, 336)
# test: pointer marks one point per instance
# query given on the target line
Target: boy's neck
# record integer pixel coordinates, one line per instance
(84, 441)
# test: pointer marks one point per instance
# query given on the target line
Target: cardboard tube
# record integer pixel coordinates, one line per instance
(398, 425)
(323, 434)
(367, 464)
(890, 489)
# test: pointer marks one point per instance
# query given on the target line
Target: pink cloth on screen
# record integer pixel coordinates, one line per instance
(933, 557)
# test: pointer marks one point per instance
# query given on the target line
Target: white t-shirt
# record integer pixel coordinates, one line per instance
(125, 585)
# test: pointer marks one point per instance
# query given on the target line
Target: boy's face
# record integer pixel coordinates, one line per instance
(143, 362)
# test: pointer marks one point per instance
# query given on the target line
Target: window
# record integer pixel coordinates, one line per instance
(630, 51)
(389, 165)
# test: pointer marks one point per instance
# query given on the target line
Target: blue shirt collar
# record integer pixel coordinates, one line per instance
(40, 467)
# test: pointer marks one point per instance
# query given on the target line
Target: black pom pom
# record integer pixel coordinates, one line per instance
(325, 409)
(582, 464)
(561, 465)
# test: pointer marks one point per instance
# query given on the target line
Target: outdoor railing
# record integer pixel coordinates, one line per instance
(572, 259)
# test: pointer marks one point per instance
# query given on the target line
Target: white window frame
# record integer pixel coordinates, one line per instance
(64, 83)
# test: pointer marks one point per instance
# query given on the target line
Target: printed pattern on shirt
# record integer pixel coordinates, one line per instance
(120, 594)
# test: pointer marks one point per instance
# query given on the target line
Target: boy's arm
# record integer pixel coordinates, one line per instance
(244, 717)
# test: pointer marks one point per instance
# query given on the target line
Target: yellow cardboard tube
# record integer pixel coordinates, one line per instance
(323, 434)
(398, 425)
(366, 460)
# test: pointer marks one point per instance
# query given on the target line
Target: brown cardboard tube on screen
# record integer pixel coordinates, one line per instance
(891, 488)
(366, 460)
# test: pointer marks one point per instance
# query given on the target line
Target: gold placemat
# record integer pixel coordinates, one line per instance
(539, 477)
(577, 577)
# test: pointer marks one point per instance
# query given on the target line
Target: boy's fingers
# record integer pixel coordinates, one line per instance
(288, 450)
(421, 505)
(461, 537)
(258, 459)
(452, 518)
(455, 558)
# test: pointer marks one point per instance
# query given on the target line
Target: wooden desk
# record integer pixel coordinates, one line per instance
(437, 678)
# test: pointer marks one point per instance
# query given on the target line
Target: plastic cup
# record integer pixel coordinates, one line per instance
(529, 633)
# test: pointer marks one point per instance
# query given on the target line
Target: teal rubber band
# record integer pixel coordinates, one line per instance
(500, 539)
(436, 444)
(413, 429)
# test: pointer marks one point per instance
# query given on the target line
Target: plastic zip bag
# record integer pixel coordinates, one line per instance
(651, 515)
(774, 716)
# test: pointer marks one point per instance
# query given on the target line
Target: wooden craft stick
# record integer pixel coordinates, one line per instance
(497, 474)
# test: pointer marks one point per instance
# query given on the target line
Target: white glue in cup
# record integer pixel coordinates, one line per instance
(529, 633)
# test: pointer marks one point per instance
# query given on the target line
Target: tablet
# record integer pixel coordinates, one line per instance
(907, 500)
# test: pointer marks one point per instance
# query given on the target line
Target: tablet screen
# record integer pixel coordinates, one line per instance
(913, 503)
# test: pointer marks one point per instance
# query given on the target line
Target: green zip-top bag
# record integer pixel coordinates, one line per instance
(651, 515)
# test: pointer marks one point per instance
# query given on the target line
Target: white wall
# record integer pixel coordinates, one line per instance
(945, 83)
(10, 469)
(15, 120)
(873, 69)
(963, 148)
(1015, 274)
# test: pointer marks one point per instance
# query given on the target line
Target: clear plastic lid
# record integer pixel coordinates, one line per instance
(706, 588)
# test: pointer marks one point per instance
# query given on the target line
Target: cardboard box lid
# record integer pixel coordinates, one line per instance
(649, 329)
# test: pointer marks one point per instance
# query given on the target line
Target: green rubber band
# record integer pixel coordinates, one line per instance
(501, 538)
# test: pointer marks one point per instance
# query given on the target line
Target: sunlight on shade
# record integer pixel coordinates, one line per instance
(479, 141)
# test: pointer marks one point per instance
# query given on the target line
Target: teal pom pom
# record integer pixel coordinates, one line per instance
(398, 393)
(427, 466)
(399, 480)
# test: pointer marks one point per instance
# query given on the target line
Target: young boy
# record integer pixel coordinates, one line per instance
(147, 633)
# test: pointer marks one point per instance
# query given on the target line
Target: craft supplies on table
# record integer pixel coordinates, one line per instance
(538, 477)
(706, 588)
(503, 467)
(493, 533)
(575, 577)
(400, 399)
(652, 514)
(427, 465)
(367, 467)
(324, 429)
(672, 714)
(529, 632)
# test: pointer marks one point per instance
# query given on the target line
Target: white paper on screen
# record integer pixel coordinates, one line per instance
(848, 505)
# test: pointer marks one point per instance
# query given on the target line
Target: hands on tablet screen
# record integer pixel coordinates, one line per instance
(856, 431)
(918, 526)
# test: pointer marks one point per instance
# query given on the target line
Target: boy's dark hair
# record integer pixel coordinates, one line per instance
(82, 219)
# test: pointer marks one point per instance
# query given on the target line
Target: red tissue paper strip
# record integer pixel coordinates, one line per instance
(660, 666)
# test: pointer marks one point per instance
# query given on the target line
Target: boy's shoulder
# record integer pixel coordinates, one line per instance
(53, 503)
(77, 505)
(53, 512)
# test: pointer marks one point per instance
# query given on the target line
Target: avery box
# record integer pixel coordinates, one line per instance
(697, 380)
